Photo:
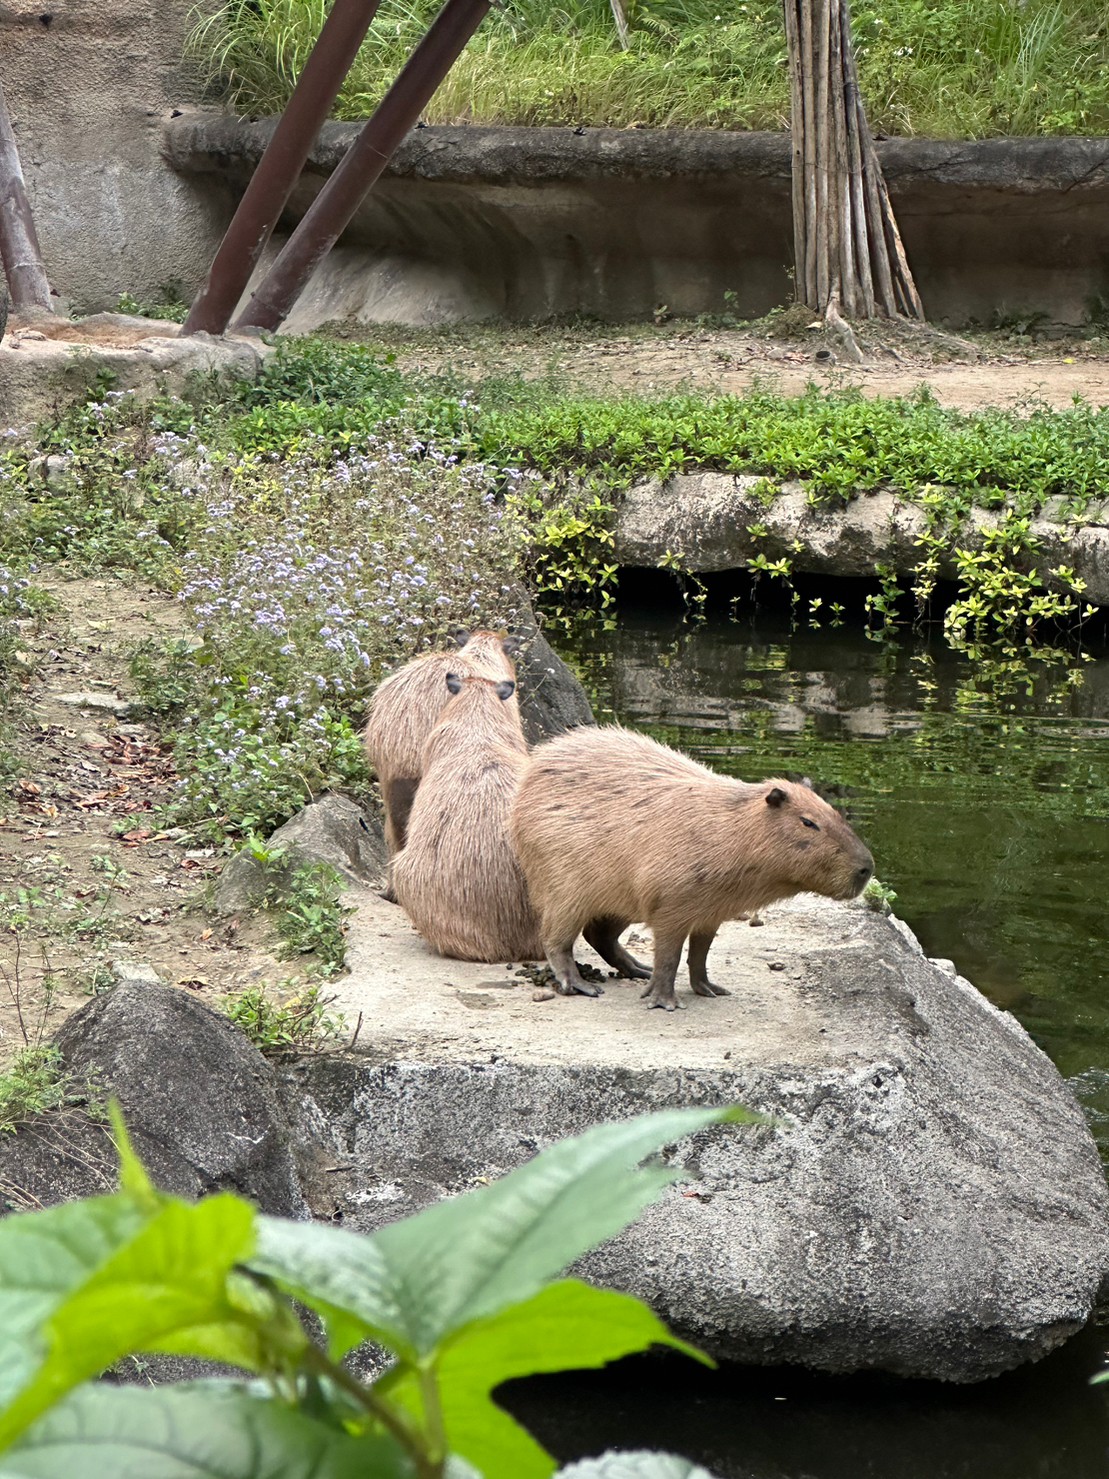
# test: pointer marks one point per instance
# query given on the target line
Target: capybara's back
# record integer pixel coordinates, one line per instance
(457, 876)
(404, 710)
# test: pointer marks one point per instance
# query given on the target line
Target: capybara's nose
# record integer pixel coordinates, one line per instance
(863, 876)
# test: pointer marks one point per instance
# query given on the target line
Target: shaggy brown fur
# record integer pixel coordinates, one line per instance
(458, 877)
(611, 828)
(405, 709)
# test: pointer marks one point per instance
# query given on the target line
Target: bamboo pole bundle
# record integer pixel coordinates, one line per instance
(848, 251)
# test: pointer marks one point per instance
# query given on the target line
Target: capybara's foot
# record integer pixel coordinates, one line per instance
(633, 970)
(661, 995)
(577, 986)
(387, 894)
(705, 987)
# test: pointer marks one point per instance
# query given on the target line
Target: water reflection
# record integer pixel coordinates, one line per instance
(1043, 1422)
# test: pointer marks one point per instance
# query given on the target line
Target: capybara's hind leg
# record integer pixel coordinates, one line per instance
(568, 979)
(399, 796)
(604, 936)
(659, 991)
(698, 965)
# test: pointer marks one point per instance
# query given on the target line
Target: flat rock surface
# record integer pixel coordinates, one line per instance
(928, 1200)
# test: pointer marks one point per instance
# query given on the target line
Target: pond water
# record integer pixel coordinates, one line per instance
(988, 814)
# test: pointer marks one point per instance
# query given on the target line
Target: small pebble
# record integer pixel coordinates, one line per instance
(542, 995)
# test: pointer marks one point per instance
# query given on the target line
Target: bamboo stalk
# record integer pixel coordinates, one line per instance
(840, 187)
(809, 129)
(797, 140)
(825, 224)
(620, 16)
(855, 169)
(19, 244)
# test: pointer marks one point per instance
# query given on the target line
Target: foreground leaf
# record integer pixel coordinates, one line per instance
(634, 1466)
(44, 1257)
(568, 1326)
(411, 1284)
(163, 1289)
(206, 1431)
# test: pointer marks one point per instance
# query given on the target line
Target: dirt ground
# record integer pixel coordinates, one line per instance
(87, 878)
(964, 372)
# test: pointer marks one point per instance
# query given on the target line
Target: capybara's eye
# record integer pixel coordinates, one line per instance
(808, 821)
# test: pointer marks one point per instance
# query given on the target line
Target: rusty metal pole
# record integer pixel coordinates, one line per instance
(264, 199)
(331, 211)
(19, 244)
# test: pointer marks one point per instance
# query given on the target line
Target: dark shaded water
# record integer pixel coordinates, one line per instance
(988, 812)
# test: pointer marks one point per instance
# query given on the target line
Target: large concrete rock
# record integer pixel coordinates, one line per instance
(706, 518)
(332, 830)
(928, 1200)
(199, 1101)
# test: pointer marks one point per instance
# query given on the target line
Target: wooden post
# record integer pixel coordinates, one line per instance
(19, 246)
(849, 257)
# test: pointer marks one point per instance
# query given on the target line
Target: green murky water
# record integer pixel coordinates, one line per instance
(989, 816)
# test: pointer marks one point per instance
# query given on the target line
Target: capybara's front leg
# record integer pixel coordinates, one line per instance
(659, 991)
(698, 965)
(604, 936)
(567, 976)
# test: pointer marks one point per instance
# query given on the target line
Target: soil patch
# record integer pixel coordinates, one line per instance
(998, 370)
(87, 876)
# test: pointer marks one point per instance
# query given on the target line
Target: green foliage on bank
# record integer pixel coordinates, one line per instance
(463, 1296)
(933, 68)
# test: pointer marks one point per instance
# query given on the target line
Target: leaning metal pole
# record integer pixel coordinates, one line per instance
(19, 245)
(264, 199)
(332, 209)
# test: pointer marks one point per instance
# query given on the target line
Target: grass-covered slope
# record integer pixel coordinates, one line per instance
(931, 68)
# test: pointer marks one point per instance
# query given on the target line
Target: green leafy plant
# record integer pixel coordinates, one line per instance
(298, 1025)
(33, 1084)
(464, 1296)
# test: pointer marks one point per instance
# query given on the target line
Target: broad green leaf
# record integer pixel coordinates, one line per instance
(133, 1180)
(205, 1431)
(414, 1282)
(165, 1289)
(568, 1326)
(634, 1466)
(44, 1257)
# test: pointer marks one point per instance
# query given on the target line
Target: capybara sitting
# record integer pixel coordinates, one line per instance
(457, 876)
(611, 828)
(404, 711)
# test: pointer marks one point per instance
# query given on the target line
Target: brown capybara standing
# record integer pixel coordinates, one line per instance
(405, 709)
(611, 828)
(457, 876)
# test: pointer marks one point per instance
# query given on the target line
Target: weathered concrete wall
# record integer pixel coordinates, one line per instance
(472, 222)
(90, 84)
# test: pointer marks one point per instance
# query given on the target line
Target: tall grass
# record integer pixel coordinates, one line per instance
(936, 68)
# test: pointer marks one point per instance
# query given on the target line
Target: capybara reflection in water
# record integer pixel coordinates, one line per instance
(404, 711)
(457, 876)
(611, 828)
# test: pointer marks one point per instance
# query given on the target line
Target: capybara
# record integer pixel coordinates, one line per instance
(457, 876)
(611, 828)
(404, 711)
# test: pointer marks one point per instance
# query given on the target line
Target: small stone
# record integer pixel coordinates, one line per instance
(128, 974)
(542, 994)
(109, 701)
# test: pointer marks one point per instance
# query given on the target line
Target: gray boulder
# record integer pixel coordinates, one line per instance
(706, 519)
(927, 1200)
(199, 1101)
(331, 830)
(552, 699)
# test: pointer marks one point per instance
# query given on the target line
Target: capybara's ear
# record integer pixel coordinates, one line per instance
(458, 635)
(806, 780)
(454, 683)
(776, 797)
(505, 689)
(512, 644)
